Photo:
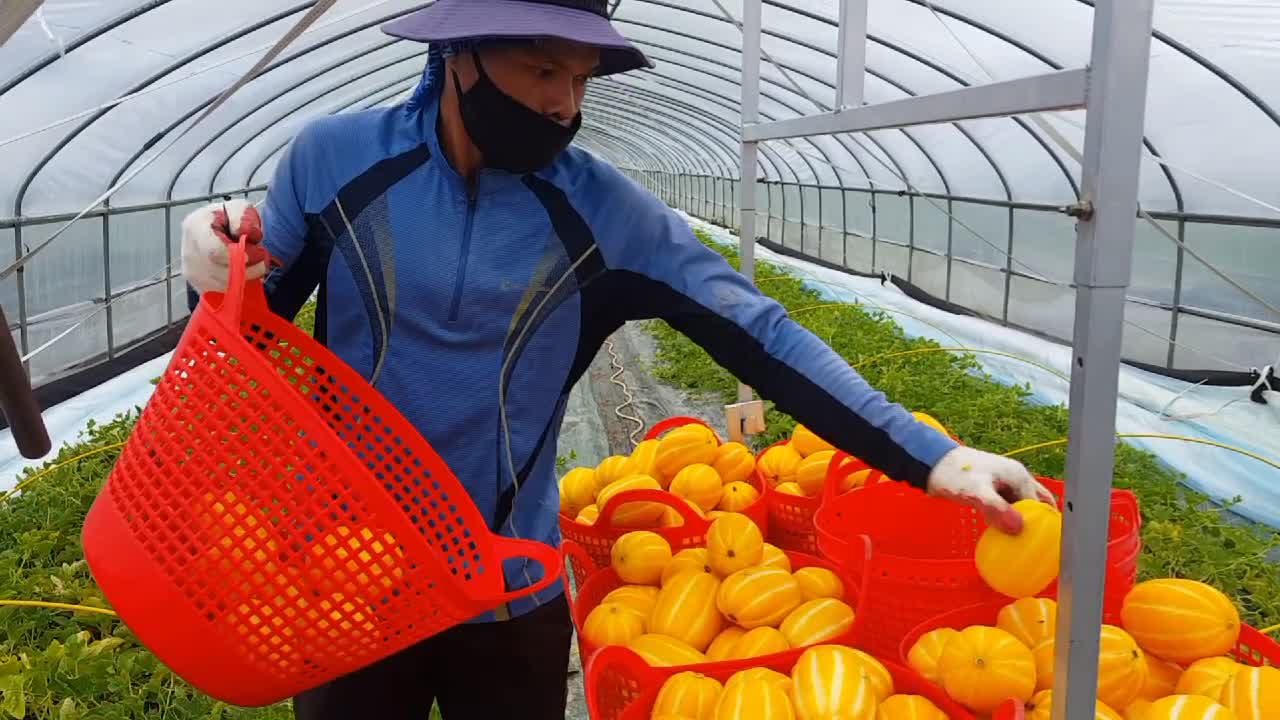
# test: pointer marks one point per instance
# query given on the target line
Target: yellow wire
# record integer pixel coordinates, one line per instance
(1269, 630)
(62, 464)
(918, 351)
(1157, 436)
(58, 606)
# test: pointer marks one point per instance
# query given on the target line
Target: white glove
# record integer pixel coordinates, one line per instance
(989, 483)
(205, 235)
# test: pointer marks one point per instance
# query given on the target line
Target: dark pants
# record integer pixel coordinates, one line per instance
(518, 668)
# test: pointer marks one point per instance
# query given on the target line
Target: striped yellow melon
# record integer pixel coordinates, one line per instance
(640, 556)
(734, 462)
(931, 421)
(1138, 710)
(672, 517)
(855, 479)
(734, 542)
(927, 652)
(644, 458)
(639, 597)
(830, 681)
(758, 596)
(818, 582)
(790, 488)
(588, 515)
(686, 609)
(1041, 708)
(1188, 707)
(761, 674)
(665, 651)
(1022, 565)
(760, 641)
(909, 707)
(1206, 677)
(751, 699)
(686, 445)
(806, 442)
(1253, 693)
(613, 469)
(687, 560)
(722, 647)
(817, 621)
(688, 694)
(778, 464)
(811, 473)
(700, 484)
(1180, 620)
(1031, 620)
(633, 514)
(876, 673)
(578, 489)
(774, 557)
(737, 496)
(1162, 678)
(612, 624)
(982, 666)
(1122, 667)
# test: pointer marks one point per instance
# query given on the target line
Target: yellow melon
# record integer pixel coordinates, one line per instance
(640, 556)
(734, 462)
(805, 442)
(578, 489)
(876, 673)
(588, 515)
(1031, 620)
(612, 624)
(613, 469)
(774, 557)
(982, 666)
(855, 479)
(749, 699)
(817, 621)
(909, 707)
(1180, 620)
(1206, 677)
(1188, 707)
(1122, 667)
(760, 641)
(757, 596)
(778, 464)
(700, 484)
(722, 647)
(927, 652)
(688, 694)
(761, 675)
(671, 517)
(1253, 693)
(1022, 565)
(1041, 708)
(831, 681)
(790, 488)
(686, 445)
(931, 421)
(734, 542)
(737, 496)
(633, 514)
(644, 458)
(1162, 678)
(687, 560)
(639, 597)
(686, 609)
(1138, 710)
(811, 473)
(818, 582)
(665, 651)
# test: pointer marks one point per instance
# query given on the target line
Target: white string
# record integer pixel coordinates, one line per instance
(44, 25)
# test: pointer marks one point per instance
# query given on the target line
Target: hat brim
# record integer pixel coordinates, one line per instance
(449, 20)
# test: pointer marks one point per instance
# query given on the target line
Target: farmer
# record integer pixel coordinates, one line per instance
(470, 264)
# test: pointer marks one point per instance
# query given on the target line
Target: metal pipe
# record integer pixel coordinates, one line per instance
(17, 402)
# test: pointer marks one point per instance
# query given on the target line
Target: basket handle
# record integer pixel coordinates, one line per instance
(238, 289)
(664, 497)
(618, 660)
(676, 421)
(547, 556)
(576, 560)
(841, 466)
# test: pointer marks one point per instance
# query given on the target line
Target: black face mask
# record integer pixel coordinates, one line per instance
(511, 136)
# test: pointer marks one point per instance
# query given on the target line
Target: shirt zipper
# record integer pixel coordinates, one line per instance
(463, 255)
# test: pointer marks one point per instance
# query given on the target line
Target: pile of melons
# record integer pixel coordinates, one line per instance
(686, 461)
(735, 598)
(799, 467)
(1166, 660)
(827, 682)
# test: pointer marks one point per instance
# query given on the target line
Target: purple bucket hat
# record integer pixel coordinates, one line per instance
(584, 21)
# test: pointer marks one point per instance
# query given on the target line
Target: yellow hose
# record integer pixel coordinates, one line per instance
(1269, 630)
(57, 606)
(56, 466)
(918, 351)
(1156, 436)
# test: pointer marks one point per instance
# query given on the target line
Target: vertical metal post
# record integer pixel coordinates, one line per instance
(950, 230)
(821, 222)
(852, 53)
(800, 188)
(21, 275)
(751, 31)
(168, 260)
(844, 226)
(1116, 103)
(1008, 270)
(911, 235)
(106, 277)
(783, 239)
(875, 229)
(1177, 293)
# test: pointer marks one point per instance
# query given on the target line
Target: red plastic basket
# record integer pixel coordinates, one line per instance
(598, 538)
(922, 549)
(273, 522)
(622, 686)
(791, 516)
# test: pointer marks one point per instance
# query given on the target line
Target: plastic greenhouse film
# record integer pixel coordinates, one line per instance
(17, 402)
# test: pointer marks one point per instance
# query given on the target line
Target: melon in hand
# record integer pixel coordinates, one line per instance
(1025, 564)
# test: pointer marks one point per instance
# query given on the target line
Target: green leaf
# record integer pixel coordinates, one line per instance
(68, 710)
(13, 699)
